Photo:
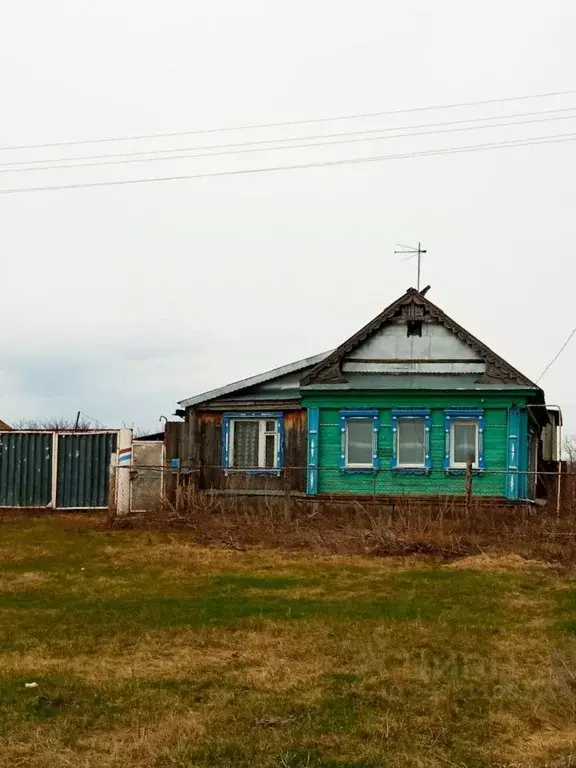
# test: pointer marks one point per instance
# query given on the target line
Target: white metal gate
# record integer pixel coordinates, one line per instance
(146, 474)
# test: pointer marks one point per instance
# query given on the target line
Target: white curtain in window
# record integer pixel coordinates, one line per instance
(464, 436)
(411, 442)
(246, 436)
(359, 439)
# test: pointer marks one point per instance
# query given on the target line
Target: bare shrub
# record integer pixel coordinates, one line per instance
(61, 424)
(441, 526)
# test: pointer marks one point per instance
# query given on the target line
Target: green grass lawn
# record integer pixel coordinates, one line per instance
(150, 651)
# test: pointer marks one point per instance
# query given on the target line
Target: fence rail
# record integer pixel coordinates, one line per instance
(187, 469)
(383, 484)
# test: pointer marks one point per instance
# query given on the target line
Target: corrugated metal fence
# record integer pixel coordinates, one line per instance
(65, 470)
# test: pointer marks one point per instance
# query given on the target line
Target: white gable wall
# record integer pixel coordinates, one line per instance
(391, 350)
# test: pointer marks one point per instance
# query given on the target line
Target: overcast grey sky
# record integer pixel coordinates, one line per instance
(119, 301)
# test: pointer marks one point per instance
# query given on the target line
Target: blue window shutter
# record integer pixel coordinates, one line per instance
(513, 452)
(394, 459)
(375, 433)
(280, 448)
(226, 441)
(313, 449)
(342, 441)
(427, 456)
(447, 423)
(523, 450)
(481, 428)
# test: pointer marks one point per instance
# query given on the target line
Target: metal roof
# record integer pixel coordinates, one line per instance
(260, 378)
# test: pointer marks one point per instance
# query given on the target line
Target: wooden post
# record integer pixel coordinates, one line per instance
(288, 511)
(468, 484)
(178, 491)
(111, 514)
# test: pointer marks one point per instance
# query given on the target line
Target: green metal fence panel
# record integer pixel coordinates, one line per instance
(25, 469)
(83, 469)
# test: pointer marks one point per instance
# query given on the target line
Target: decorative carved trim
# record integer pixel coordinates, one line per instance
(412, 312)
(331, 374)
(413, 305)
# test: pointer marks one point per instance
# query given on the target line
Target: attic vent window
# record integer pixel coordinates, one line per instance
(413, 315)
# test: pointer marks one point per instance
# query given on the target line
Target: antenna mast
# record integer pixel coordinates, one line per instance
(413, 252)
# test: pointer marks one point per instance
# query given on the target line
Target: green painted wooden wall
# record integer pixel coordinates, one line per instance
(332, 479)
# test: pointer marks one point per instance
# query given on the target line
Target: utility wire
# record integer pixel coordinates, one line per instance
(282, 140)
(91, 418)
(551, 363)
(254, 126)
(185, 156)
(301, 166)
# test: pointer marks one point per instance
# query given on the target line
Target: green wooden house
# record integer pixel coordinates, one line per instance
(403, 406)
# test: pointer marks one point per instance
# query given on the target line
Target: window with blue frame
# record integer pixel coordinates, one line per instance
(359, 440)
(253, 442)
(411, 440)
(464, 439)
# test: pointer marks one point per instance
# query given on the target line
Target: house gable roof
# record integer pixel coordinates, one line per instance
(252, 381)
(412, 306)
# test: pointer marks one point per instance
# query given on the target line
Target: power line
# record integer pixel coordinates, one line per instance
(551, 363)
(274, 149)
(91, 418)
(282, 140)
(254, 126)
(302, 166)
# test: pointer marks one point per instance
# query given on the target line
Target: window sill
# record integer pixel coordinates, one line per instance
(257, 471)
(411, 470)
(358, 470)
(463, 470)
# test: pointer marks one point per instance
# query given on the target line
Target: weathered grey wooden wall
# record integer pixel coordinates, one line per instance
(197, 442)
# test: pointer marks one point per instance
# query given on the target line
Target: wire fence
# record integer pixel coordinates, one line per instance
(296, 482)
(239, 508)
(452, 471)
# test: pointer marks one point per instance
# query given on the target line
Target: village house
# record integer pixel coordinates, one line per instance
(409, 404)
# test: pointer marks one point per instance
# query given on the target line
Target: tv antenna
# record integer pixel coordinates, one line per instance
(411, 251)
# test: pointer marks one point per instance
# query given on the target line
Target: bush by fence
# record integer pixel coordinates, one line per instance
(440, 525)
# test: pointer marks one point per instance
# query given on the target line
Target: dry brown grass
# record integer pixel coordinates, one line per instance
(20, 582)
(439, 526)
(139, 745)
(165, 654)
(271, 654)
(496, 562)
